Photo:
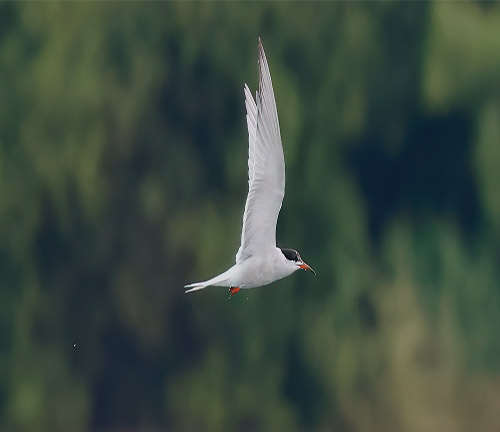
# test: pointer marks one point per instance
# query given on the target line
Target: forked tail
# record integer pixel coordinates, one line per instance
(196, 286)
(220, 280)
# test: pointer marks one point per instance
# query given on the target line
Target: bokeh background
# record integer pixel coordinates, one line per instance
(123, 176)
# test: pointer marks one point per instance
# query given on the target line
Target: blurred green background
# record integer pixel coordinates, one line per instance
(123, 176)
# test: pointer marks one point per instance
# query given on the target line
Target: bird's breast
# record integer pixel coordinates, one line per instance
(256, 271)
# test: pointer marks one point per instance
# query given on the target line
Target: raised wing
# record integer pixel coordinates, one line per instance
(266, 168)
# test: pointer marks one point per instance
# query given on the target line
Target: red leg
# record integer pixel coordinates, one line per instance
(233, 291)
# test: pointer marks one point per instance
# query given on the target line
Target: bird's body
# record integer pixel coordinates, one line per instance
(258, 261)
(252, 272)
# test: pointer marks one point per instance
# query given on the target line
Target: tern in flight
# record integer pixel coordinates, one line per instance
(258, 261)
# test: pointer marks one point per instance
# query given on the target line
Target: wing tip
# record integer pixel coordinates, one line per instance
(261, 48)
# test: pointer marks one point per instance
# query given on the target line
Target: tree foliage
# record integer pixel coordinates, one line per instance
(123, 175)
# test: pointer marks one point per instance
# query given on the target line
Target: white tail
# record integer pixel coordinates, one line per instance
(220, 280)
(196, 286)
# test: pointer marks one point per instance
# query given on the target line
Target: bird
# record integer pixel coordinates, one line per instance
(259, 261)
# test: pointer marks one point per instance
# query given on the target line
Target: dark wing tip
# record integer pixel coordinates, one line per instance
(263, 67)
(261, 49)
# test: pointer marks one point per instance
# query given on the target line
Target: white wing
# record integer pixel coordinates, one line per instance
(266, 168)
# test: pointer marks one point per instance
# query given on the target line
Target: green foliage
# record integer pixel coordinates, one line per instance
(123, 175)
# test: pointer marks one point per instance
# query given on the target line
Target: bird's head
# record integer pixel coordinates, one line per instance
(293, 258)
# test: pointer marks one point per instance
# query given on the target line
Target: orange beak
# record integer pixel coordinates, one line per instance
(305, 267)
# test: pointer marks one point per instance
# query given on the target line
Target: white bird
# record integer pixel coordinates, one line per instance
(258, 261)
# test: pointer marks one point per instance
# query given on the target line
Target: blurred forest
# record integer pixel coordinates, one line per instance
(123, 176)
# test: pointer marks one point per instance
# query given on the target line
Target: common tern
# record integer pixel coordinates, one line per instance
(258, 261)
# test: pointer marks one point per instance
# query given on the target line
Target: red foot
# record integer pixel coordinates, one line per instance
(233, 291)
